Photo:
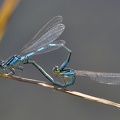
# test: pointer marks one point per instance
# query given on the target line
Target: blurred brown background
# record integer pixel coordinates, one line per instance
(92, 33)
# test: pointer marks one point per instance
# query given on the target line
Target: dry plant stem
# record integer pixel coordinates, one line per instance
(48, 85)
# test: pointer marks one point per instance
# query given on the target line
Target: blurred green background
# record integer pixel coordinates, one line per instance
(92, 33)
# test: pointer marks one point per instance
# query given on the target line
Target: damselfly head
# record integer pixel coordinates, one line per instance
(56, 70)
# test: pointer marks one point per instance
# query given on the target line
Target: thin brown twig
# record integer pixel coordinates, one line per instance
(48, 85)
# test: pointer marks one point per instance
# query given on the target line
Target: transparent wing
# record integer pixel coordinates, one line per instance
(45, 40)
(52, 46)
(105, 78)
(53, 22)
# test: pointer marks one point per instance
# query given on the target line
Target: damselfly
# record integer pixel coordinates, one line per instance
(44, 41)
(100, 77)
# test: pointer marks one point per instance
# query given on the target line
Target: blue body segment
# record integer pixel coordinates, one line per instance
(52, 44)
(40, 49)
(13, 60)
(30, 54)
(68, 72)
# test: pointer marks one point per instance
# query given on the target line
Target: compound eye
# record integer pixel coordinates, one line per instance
(2, 61)
(56, 67)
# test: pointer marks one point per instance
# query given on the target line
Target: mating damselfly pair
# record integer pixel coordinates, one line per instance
(45, 41)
